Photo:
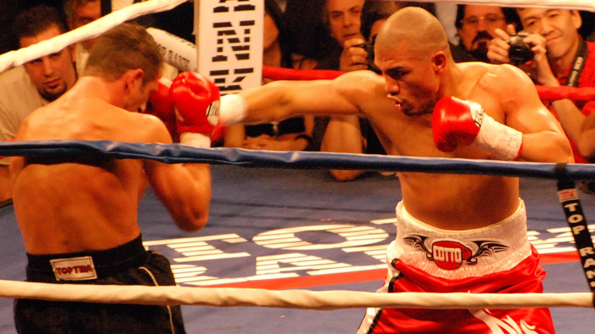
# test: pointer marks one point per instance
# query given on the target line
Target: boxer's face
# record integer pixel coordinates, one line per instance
(410, 80)
(344, 19)
(53, 74)
(138, 94)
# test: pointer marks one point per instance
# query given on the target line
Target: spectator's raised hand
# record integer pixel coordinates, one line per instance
(539, 68)
(353, 57)
(498, 49)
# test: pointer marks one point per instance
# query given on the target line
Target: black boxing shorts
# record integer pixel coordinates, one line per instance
(128, 264)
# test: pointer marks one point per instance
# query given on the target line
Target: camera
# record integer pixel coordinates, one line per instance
(520, 52)
(369, 47)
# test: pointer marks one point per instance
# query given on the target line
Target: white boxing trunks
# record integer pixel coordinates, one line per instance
(494, 259)
(460, 254)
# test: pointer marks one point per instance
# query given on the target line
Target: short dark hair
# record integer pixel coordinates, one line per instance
(368, 19)
(37, 19)
(510, 16)
(128, 46)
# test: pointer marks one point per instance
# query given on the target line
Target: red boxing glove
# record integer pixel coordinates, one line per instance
(455, 122)
(196, 101)
(459, 122)
(161, 105)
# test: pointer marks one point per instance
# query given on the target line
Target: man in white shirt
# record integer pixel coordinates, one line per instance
(36, 83)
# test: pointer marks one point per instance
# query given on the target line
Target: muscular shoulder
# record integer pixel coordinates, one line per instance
(117, 124)
(505, 81)
(154, 128)
(359, 84)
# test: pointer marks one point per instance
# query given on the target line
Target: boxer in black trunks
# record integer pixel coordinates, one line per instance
(78, 216)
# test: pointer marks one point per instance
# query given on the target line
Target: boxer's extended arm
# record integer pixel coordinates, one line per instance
(282, 99)
(184, 189)
(543, 137)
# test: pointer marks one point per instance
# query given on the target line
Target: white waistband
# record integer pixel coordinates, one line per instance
(460, 254)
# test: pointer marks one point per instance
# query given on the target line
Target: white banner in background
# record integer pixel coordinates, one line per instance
(176, 51)
(567, 4)
(229, 42)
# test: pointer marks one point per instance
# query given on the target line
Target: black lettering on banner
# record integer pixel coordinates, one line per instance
(175, 58)
(228, 35)
(568, 196)
(222, 78)
(233, 41)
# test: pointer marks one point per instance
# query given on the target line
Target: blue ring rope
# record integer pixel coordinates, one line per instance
(177, 153)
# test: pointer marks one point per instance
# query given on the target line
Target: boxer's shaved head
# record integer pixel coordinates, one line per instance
(414, 29)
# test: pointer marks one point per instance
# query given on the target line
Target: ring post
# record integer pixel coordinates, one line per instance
(568, 196)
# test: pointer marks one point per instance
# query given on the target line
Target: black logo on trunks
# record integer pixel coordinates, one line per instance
(451, 255)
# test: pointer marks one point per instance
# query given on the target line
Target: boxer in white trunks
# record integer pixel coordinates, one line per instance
(455, 233)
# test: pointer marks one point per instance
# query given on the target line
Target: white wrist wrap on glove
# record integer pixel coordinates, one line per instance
(195, 139)
(502, 141)
(233, 109)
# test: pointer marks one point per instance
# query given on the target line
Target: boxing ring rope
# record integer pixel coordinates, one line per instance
(177, 153)
(91, 30)
(294, 299)
(571, 4)
(300, 299)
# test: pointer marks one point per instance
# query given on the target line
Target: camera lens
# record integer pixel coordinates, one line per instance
(519, 52)
(369, 47)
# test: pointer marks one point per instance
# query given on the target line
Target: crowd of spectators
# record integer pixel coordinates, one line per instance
(336, 35)
(293, 134)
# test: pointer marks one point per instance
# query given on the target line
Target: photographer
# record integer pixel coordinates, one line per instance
(558, 56)
(476, 26)
(344, 22)
(352, 134)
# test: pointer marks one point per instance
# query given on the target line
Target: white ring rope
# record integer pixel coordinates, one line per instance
(567, 4)
(91, 30)
(296, 299)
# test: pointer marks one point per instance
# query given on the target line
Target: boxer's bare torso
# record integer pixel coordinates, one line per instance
(449, 201)
(74, 203)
